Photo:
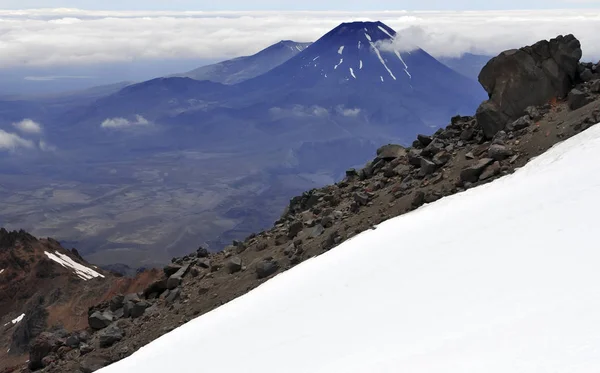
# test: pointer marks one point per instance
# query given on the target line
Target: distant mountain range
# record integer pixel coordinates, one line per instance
(243, 68)
(158, 167)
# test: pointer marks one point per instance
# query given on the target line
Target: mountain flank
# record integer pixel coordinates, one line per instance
(46, 287)
(240, 69)
(461, 156)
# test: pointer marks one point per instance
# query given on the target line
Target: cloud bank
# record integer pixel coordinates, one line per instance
(68, 36)
(122, 123)
(11, 142)
(28, 126)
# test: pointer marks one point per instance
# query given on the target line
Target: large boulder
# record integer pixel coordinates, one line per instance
(266, 268)
(471, 173)
(390, 152)
(100, 320)
(176, 278)
(529, 76)
(109, 336)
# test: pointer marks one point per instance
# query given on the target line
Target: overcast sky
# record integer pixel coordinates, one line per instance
(299, 5)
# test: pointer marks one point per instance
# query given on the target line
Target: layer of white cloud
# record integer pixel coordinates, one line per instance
(11, 141)
(120, 123)
(28, 126)
(68, 36)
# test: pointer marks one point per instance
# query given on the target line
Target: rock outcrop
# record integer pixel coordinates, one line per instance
(529, 76)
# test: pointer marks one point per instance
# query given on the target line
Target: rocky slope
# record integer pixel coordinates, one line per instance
(46, 287)
(460, 156)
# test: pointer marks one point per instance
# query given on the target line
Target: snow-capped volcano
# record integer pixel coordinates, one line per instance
(364, 52)
(354, 51)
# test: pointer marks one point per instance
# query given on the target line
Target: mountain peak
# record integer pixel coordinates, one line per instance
(376, 31)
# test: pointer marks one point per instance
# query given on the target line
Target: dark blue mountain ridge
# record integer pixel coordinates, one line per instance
(242, 68)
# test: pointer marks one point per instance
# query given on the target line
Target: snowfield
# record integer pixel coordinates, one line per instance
(83, 272)
(503, 278)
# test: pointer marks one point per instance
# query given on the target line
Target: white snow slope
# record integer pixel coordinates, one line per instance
(83, 272)
(503, 278)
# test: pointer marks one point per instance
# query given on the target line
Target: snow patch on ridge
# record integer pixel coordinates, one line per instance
(385, 31)
(16, 321)
(404, 63)
(382, 60)
(360, 65)
(352, 73)
(368, 36)
(1, 270)
(341, 50)
(80, 270)
(336, 66)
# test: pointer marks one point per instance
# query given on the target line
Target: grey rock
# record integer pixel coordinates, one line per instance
(133, 297)
(72, 341)
(171, 268)
(441, 158)
(317, 231)
(533, 112)
(202, 263)
(433, 148)
(295, 228)
(499, 152)
(490, 171)
(100, 320)
(390, 152)
(586, 75)
(234, 264)
(156, 287)
(266, 268)
(128, 308)
(467, 134)
(361, 198)
(139, 308)
(577, 99)
(595, 86)
(519, 124)
(175, 279)
(427, 167)
(471, 174)
(109, 336)
(414, 157)
(116, 302)
(491, 119)
(418, 198)
(529, 76)
(85, 348)
(327, 221)
(202, 252)
(173, 295)
(424, 140)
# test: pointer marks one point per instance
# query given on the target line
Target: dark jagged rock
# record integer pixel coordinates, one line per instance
(391, 151)
(109, 336)
(100, 320)
(528, 76)
(577, 99)
(471, 174)
(234, 264)
(499, 152)
(266, 268)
